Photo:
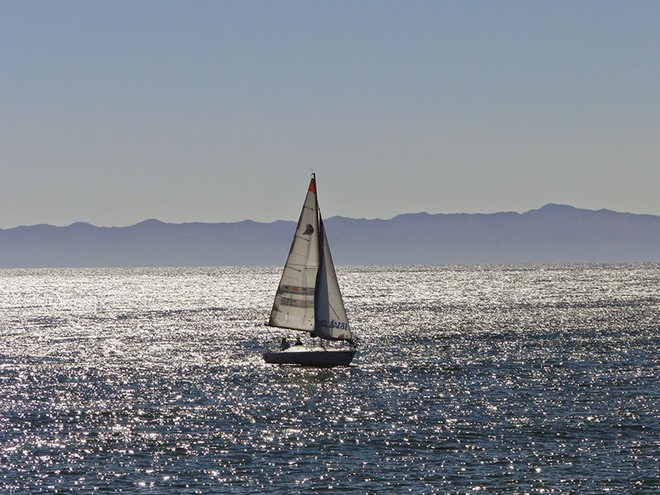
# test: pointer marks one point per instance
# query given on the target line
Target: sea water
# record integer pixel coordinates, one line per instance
(481, 379)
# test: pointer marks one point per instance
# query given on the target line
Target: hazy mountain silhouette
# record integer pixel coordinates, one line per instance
(551, 234)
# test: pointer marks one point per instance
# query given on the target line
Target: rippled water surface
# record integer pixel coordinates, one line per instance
(539, 379)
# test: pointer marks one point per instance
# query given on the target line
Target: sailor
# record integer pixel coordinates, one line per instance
(284, 345)
(298, 341)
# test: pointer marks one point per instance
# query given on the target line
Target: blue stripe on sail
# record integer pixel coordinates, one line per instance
(293, 289)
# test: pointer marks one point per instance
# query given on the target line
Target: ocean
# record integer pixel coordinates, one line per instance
(468, 379)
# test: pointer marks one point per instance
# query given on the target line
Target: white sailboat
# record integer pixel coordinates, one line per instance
(308, 298)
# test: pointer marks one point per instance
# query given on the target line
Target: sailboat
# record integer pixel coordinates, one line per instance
(308, 298)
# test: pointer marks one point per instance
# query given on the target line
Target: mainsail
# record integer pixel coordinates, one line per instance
(294, 300)
(308, 296)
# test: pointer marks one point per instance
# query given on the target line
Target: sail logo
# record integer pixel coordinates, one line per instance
(309, 230)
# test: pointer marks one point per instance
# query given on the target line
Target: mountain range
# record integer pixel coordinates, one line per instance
(551, 234)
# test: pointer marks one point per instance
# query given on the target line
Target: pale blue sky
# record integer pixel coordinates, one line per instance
(113, 112)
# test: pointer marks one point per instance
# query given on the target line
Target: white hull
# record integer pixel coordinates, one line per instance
(310, 356)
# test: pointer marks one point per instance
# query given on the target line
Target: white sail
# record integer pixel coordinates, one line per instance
(331, 320)
(294, 302)
(308, 296)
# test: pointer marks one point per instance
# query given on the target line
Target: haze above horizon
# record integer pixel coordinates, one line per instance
(115, 112)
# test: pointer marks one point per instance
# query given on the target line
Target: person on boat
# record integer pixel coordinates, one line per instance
(284, 345)
(298, 341)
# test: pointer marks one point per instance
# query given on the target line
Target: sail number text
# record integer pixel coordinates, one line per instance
(341, 325)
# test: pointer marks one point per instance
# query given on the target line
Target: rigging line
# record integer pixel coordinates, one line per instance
(271, 331)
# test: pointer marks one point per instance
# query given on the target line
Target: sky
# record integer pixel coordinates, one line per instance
(114, 112)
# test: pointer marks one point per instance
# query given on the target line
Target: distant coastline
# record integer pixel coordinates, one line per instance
(551, 234)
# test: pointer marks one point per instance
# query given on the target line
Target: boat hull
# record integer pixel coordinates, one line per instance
(310, 357)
